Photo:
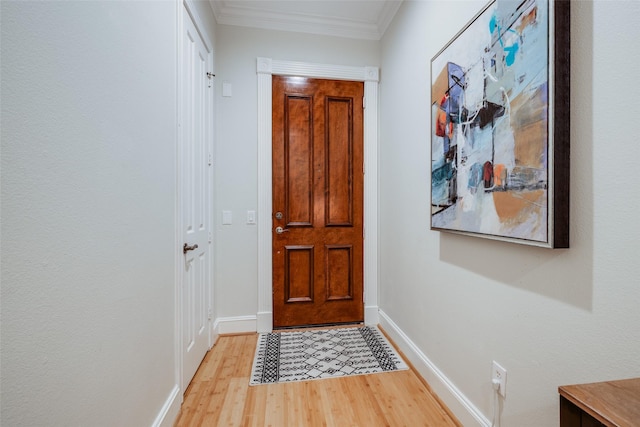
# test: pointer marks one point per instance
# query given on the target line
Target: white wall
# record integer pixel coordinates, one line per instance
(236, 152)
(88, 212)
(550, 317)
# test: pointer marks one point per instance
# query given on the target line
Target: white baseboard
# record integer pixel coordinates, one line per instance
(466, 412)
(170, 410)
(235, 325)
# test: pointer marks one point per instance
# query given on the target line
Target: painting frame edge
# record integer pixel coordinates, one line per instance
(558, 127)
(561, 117)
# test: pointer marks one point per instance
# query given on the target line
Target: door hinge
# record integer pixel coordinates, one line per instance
(210, 159)
(364, 103)
(210, 313)
(210, 76)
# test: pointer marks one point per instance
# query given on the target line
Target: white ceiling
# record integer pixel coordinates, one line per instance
(359, 19)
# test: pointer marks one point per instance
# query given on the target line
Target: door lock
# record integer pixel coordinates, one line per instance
(280, 230)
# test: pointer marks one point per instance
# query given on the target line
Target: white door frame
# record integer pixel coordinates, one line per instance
(187, 6)
(266, 68)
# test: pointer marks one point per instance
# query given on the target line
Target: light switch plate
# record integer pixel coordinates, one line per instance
(227, 218)
(251, 217)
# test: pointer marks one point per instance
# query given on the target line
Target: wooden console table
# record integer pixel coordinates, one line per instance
(609, 403)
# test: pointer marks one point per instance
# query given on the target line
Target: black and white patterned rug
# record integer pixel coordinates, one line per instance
(326, 353)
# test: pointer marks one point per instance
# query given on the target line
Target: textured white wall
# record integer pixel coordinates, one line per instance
(88, 195)
(550, 317)
(236, 152)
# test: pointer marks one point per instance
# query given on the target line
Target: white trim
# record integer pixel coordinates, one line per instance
(177, 342)
(235, 325)
(371, 315)
(265, 68)
(170, 410)
(466, 412)
(193, 12)
(371, 77)
(265, 285)
(321, 71)
(256, 16)
(264, 321)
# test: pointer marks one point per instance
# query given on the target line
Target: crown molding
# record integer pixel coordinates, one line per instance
(386, 15)
(239, 14)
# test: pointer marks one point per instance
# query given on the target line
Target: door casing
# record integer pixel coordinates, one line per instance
(266, 68)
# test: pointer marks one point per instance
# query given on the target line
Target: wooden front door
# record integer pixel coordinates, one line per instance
(317, 201)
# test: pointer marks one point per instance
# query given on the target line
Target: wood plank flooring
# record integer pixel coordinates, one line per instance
(220, 395)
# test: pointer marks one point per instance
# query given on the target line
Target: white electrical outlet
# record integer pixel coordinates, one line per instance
(499, 376)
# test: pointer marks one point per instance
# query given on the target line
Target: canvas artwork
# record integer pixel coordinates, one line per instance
(492, 154)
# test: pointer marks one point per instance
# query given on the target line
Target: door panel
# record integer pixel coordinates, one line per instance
(339, 267)
(298, 153)
(318, 189)
(298, 274)
(195, 194)
(339, 163)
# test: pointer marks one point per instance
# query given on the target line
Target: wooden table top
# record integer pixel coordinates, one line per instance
(613, 403)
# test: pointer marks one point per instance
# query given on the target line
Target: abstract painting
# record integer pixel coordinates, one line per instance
(500, 125)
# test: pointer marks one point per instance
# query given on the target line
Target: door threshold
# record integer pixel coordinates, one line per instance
(319, 326)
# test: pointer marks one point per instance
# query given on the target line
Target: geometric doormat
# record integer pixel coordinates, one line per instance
(326, 353)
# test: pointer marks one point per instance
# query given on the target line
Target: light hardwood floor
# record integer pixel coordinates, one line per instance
(220, 395)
